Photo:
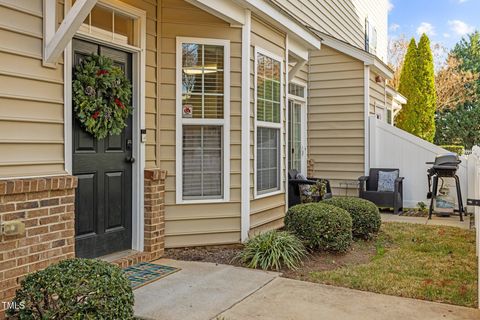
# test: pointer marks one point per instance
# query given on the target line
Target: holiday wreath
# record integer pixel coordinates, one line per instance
(101, 96)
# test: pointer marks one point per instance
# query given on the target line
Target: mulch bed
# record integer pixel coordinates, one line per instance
(220, 255)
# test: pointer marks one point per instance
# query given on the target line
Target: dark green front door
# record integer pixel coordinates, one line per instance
(103, 203)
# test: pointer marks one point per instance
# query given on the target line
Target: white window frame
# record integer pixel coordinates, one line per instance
(303, 102)
(266, 124)
(180, 121)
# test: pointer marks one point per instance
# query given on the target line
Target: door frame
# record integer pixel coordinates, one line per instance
(138, 116)
(303, 102)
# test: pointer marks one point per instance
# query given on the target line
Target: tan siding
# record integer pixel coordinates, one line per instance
(31, 96)
(265, 213)
(343, 19)
(197, 224)
(336, 117)
(377, 96)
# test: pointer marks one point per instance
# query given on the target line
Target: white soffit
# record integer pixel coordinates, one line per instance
(297, 50)
(226, 10)
(396, 95)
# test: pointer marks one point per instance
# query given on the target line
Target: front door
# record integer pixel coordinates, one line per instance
(295, 136)
(103, 202)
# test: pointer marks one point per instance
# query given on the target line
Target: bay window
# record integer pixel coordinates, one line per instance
(202, 120)
(268, 97)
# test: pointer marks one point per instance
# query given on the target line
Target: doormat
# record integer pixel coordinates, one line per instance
(145, 273)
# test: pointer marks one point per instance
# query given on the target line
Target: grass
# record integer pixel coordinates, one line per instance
(433, 263)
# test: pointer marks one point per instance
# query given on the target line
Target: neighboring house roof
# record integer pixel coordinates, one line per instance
(396, 95)
(357, 53)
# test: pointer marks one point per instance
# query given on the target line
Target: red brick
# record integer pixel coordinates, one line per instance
(49, 220)
(27, 205)
(15, 272)
(7, 207)
(37, 195)
(13, 216)
(58, 243)
(3, 187)
(39, 247)
(55, 210)
(37, 230)
(67, 200)
(4, 265)
(37, 213)
(57, 226)
(49, 202)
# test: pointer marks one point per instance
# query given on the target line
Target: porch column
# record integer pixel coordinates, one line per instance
(154, 238)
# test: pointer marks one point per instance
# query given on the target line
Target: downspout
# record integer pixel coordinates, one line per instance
(245, 177)
(285, 124)
(366, 117)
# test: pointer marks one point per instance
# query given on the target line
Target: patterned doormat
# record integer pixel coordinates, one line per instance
(145, 273)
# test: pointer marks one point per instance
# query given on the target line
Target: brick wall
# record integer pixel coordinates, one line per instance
(46, 206)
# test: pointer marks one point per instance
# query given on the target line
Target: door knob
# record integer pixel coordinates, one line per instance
(130, 159)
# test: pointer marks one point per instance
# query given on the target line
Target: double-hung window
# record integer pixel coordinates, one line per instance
(268, 101)
(202, 119)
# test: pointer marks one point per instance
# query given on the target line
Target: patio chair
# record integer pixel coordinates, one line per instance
(386, 199)
(295, 181)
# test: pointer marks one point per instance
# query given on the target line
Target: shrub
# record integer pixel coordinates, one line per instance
(365, 215)
(320, 226)
(75, 289)
(460, 150)
(272, 250)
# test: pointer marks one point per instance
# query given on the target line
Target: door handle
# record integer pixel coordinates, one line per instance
(130, 159)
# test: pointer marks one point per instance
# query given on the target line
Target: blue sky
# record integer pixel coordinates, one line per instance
(445, 21)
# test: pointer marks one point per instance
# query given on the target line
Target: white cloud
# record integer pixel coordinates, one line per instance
(426, 28)
(460, 27)
(446, 35)
(390, 5)
(462, 1)
(394, 27)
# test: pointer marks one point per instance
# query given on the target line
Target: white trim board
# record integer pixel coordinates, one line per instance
(245, 185)
(138, 64)
(180, 121)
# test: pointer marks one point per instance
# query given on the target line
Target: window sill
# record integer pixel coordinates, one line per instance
(269, 194)
(202, 201)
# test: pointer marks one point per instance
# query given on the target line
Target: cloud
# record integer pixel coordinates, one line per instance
(446, 35)
(390, 5)
(460, 27)
(394, 27)
(462, 1)
(426, 28)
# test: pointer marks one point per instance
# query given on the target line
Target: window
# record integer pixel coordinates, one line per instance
(202, 119)
(370, 37)
(268, 101)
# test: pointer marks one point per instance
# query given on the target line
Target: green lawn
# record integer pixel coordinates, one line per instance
(417, 261)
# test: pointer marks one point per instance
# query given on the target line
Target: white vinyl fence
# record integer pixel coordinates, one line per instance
(391, 147)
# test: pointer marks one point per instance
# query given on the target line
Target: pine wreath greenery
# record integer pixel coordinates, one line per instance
(101, 96)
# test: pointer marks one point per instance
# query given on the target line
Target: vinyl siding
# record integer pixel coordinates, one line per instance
(377, 96)
(268, 212)
(32, 96)
(336, 117)
(343, 19)
(197, 224)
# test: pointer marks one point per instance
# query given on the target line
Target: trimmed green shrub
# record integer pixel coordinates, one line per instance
(321, 226)
(460, 150)
(365, 215)
(75, 289)
(272, 250)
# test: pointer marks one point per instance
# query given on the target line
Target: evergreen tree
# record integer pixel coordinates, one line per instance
(459, 126)
(417, 84)
(409, 87)
(427, 99)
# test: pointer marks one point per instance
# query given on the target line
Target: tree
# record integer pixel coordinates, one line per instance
(428, 98)
(397, 48)
(460, 126)
(454, 85)
(410, 88)
(468, 51)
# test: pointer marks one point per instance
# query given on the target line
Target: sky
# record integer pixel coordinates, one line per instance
(444, 21)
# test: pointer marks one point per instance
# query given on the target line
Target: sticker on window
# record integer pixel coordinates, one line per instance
(187, 110)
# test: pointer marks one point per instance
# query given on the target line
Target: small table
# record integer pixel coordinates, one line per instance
(348, 184)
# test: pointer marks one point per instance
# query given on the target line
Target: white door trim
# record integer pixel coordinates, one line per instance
(138, 74)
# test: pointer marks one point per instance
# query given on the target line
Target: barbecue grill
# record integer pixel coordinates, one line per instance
(444, 166)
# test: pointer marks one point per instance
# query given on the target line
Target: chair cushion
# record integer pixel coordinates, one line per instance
(386, 180)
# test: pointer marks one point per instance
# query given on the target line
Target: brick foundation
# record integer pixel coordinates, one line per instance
(310, 167)
(46, 206)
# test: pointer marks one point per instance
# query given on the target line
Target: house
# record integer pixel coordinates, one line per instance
(222, 92)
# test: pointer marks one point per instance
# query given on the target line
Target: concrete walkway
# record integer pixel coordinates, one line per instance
(207, 291)
(198, 291)
(286, 299)
(438, 221)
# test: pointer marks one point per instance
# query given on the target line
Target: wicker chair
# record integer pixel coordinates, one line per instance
(294, 184)
(385, 199)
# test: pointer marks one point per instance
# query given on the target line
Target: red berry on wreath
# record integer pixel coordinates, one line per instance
(96, 114)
